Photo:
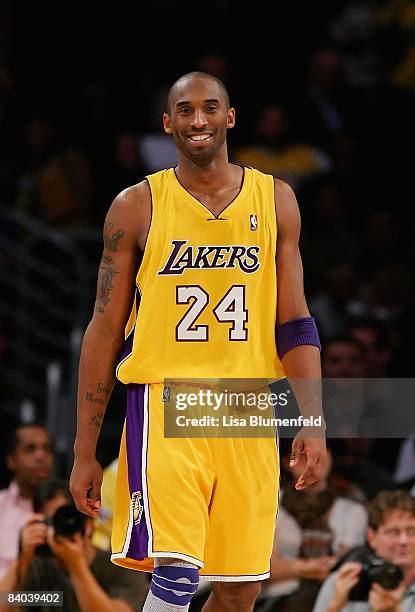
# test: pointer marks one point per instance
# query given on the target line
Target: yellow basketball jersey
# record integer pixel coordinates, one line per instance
(206, 290)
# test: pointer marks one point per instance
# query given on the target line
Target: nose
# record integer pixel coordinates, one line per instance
(199, 119)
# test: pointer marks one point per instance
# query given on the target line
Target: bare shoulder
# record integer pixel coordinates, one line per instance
(132, 200)
(286, 207)
(131, 211)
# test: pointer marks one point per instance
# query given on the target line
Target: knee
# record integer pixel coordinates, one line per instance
(235, 594)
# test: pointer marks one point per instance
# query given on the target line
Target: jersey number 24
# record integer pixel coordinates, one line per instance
(231, 308)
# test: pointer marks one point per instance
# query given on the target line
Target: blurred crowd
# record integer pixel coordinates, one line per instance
(334, 118)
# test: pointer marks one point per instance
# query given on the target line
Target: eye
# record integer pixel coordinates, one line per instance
(185, 110)
(211, 107)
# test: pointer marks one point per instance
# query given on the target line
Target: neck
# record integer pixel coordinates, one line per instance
(26, 490)
(214, 172)
(408, 575)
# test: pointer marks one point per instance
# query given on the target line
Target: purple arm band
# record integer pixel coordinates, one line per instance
(295, 333)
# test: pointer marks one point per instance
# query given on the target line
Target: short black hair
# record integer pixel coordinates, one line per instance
(12, 440)
(198, 75)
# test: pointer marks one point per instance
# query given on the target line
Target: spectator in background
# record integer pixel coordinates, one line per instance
(342, 357)
(328, 234)
(273, 152)
(125, 168)
(73, 565)
(314, 527)
(355, 474)
(57, 185)
(156, 149)
(323, 116)
(391, 536)
(354, 31)
(333, 305)
(373, 336)
(29, 459)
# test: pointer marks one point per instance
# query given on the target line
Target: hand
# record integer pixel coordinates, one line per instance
(313, 450)
(316, 568)
(85, 485)
(346, 578)
(69, 550)
(33, 534)
(385, 601)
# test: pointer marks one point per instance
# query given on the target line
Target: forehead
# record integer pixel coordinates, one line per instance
(397, 517)
(196, 90)
(32, 435)
(342, 349)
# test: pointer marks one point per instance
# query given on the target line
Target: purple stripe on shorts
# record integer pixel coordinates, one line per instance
(138, 546)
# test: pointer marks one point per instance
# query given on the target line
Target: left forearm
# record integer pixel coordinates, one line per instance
(302, 367)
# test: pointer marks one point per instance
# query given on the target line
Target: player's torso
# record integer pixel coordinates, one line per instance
(206, 288)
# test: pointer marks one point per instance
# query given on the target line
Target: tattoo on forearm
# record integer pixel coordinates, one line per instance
(106, 274)
(101, 388)
(111, 239)
(96, 419)
(90, 397)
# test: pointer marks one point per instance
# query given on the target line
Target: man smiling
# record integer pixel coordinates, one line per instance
(205, 307)
(391, 535)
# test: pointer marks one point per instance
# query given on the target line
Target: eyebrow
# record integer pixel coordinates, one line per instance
(187, 102)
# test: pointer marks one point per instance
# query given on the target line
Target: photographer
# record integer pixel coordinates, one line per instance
(62, 558)
(366, 583)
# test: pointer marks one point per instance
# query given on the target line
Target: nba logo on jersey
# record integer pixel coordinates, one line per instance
(253, 222)
(166, 394)
(136, 507)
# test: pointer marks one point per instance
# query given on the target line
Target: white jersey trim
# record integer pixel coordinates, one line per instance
(246, 578)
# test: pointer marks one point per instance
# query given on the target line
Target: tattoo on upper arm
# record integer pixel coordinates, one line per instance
(106, 274)
(111, 239)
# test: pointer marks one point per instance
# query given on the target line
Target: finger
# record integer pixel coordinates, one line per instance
(296, 450)
(95, 495)
(82, 502)
(50, 537)
(306, 479)
(309, 476)
(350, 568)
(35, 518)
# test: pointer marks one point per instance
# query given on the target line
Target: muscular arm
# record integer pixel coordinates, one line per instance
(302, 363)
(125, 231)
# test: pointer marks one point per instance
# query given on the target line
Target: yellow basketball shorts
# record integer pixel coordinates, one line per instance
(209, 501)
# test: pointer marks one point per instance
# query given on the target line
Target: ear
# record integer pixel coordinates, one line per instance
(11, 463)
(167, 124)
(231, 118)
(371, 537)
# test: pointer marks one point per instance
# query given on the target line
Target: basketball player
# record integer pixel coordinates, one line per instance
(205, 305)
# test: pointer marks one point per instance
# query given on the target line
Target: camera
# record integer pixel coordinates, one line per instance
(374, 569)
(66, 521)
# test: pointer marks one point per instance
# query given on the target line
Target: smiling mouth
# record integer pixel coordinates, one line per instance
(199, 137)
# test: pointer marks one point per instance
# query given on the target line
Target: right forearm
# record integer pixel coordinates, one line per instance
(100, 351)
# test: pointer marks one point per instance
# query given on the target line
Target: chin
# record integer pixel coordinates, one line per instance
(404, 560)
(202, 158)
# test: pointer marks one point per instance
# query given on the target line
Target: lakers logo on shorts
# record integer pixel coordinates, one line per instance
(137, 507)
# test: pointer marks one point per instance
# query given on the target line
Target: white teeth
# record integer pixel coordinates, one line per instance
(200, 137)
